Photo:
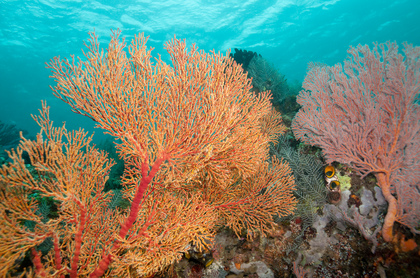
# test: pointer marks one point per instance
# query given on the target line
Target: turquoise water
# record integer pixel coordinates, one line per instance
(287, 33)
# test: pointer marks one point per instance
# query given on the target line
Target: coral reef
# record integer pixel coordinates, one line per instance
(266, 77)
(195, 144)
(366, 114)
(311, 191)
(243, 57)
